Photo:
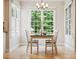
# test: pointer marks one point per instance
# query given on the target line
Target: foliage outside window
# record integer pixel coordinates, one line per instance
(36, 21)
(47, 21)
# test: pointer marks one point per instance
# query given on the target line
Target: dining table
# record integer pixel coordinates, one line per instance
(41, 37)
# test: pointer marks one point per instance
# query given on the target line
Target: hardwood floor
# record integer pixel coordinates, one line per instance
(20, 53)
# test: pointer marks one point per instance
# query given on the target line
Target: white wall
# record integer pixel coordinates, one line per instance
(26, 8)
(4, 42)
(73, 25)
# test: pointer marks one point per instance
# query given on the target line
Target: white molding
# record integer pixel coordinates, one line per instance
(60, 44)
(23, 44)
(39, 0)
(13, 48)
(51, 9)
(69, 47)
(69, 2)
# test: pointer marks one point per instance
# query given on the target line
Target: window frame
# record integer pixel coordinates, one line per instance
(68, 36)
(68, 21)
(54, 13)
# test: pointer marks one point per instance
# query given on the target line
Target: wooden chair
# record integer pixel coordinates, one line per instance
(48, 43)
(33, 42)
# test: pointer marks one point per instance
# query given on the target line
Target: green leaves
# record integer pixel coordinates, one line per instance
(47, 22)
(36, 21)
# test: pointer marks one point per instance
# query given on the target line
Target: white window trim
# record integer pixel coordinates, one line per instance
(67, 36)
(69, 2)
(51, 9)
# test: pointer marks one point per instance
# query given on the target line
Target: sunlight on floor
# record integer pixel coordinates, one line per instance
(20, 53)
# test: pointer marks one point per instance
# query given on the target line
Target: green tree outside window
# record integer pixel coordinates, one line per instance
(36, 21)
(48, 24)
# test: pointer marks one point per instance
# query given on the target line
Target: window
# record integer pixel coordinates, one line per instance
(68, 21)
(48, 21)
(42, 21)
(36, 21)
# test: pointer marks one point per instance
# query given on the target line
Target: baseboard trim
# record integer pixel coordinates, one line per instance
(69, 47)
(60, 44)
(22, 44)
(12, 49)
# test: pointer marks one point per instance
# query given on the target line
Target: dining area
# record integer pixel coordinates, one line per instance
(39, 29)
(47, 41)
(42, 29)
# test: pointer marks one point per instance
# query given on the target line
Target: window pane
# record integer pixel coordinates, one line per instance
(68, 21)
(48, 21)
(36, 21)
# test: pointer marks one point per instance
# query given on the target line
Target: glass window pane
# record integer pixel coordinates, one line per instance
(68, 21)
(36, 21)
(48, 21)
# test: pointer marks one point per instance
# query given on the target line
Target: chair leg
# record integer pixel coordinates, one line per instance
(52, 48)
(37, 48)
(56, 49)
(46, 48)
(31, 46)
(27, 48)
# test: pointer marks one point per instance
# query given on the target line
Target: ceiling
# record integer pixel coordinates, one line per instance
(43, 0)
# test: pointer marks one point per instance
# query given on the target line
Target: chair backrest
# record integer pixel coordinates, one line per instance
(56, 36)
(26, 34)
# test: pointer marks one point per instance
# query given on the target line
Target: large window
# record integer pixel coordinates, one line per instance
(68, 21)
(42, 21)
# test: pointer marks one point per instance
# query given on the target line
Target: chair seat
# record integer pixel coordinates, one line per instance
(49, 41)
(34, 41)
